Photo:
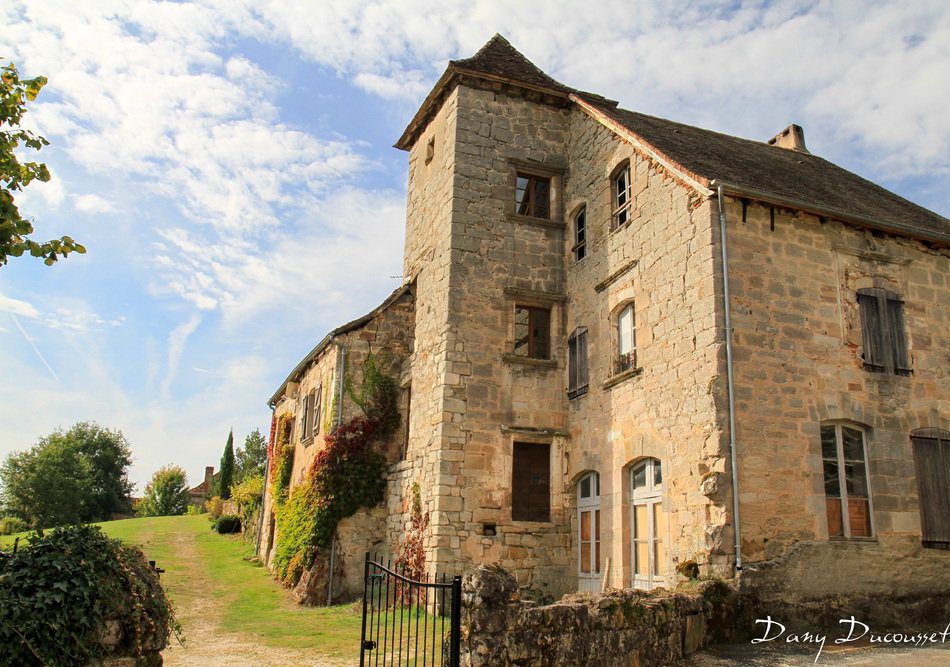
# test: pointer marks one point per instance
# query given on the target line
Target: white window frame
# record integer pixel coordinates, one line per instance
(626, 357)
(649, 496)
(590, 581)
(621, 193)
(841, 463)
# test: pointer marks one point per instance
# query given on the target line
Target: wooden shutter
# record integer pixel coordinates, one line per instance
(872, 330)
(894, 332)
(932, 464)
(531, 482)
(577, 362)
(582, 381)
(317, 400)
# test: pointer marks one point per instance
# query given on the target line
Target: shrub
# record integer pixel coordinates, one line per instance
(228, 523)
(10, 525)
(214, 507)
(249, 492)
(57, 593)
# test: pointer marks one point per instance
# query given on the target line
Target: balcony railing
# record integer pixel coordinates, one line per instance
(625, 362)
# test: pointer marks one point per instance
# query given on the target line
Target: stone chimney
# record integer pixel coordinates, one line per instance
(792, 137)
(209, 474)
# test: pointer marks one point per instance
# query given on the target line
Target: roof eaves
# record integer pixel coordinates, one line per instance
(696, 181)
(835, 213)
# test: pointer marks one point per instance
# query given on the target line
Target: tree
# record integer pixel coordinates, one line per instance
(14, 229)
(226, 474)
(250, 460)
(166, 494)
(79, 475)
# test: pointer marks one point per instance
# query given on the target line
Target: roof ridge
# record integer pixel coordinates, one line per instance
(498, 56)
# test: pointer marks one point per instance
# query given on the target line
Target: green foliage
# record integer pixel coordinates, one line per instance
(166, 494)
(214, 507)
(250, 460)
(73, 476)
(10, 525)
(14, 229)
(377, 396)
(226, 474)
(347, 474)
(227, 523)
(194, 510)
(56, 594)
(249, 492)
(282, 460)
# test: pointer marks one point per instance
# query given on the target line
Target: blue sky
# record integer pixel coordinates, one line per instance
(228, 165)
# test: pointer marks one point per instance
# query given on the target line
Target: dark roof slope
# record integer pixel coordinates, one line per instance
(788, 173)
(499, 58)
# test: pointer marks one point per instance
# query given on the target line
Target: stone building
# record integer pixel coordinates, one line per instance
(627, 346)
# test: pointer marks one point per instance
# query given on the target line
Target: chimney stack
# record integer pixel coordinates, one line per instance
(792, 137)
(209, 473)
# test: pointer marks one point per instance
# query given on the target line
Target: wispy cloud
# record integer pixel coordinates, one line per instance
(176, 346)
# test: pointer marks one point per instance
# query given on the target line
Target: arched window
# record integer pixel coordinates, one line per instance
(847, 492)
(648, 524)
(622, 197)
(588, 532)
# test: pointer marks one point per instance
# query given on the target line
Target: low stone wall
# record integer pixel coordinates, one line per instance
(618, 628)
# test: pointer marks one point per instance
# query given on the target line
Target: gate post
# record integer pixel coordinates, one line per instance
(363, 630)
(456, 637)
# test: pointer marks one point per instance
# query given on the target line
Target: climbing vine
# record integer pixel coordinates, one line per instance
(282, 460)
(346, 475)
(411, 559)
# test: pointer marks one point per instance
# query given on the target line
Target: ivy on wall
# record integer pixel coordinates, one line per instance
(349, 473)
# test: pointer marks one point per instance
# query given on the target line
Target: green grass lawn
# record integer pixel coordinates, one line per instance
(202, 566)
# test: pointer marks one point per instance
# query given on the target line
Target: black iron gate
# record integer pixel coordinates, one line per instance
(409, 623)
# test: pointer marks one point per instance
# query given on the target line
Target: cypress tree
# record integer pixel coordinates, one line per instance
(226, 475)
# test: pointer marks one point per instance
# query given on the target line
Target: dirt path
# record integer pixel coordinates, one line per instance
(207, 645)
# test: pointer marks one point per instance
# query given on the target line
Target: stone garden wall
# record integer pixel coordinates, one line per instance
(620, 627)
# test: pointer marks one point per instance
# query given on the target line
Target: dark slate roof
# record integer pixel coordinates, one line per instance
(788, 173)
(499, 58)
(705, 155)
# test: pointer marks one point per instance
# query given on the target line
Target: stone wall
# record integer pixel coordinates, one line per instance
(663, 261)
(798, 362)
(619, 628)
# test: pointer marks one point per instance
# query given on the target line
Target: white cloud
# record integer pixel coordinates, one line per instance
(176, 347)
(92, 203)
(17, 307)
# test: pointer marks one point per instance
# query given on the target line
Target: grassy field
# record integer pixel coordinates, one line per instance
(206, 574)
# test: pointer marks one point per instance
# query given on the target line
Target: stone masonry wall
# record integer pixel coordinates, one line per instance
(620, 628)
(490, 398)
(798, 346)
(672, 409)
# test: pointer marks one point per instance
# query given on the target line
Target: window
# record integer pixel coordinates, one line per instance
(531, 482)
(882, 327)
(588, 532)
(580, 235)
(648, 524)
(532, 196)
(626, 340)
(621, 197)
(846, 481)
(932, 463)
(532, 331)
(316, 401)
(305, 405)
(577, 362)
